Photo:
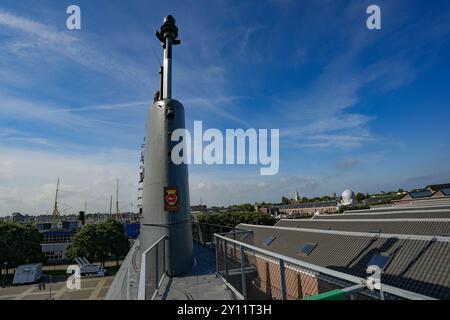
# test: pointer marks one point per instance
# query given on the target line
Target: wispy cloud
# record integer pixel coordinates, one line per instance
(35, 40)
(28, 178)
(218, 106)
(324, 110)
(348, 163)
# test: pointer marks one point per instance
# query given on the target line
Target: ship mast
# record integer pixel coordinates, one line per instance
(56, 216)
(117, 202)
(110, 206)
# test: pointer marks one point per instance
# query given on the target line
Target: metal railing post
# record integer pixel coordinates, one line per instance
(142, 275)
(244, 282)
(156, 266)
(210, 233)
(234, 245)
(164, 256)
(225, 258)
(128, 282)
(283, 280)
(217, 254)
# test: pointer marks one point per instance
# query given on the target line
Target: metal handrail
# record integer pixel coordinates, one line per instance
(336, 274)
(141, 289)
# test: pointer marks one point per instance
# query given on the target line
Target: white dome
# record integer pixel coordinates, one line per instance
(348, 197)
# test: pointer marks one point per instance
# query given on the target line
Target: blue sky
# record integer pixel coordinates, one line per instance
(356, 108)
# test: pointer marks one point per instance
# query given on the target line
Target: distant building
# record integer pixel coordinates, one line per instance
(430, 193)
(376, 199)
(55, 243)
(18, 217)
(437, 187)
(304, 209)
(200, 208)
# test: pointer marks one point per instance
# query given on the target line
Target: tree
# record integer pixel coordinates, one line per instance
(285, 200)
(85, 243)
(243, 207)
(401, 190)
(118, 244)
(19, 244)
(232, 219)
(99, 242)
(359, 197)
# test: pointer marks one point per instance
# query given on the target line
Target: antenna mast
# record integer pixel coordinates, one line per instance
(168, 36)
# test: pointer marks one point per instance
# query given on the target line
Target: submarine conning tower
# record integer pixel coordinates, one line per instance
(166, 204)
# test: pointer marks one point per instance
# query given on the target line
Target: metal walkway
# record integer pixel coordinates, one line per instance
(201, 284)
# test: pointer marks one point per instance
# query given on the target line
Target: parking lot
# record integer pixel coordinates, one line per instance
(91, 289)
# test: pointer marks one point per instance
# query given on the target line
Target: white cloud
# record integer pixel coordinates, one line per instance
(28, 180)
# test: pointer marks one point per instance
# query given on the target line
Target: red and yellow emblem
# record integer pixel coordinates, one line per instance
(171, 199)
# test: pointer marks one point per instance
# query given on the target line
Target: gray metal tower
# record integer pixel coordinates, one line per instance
(166, 204)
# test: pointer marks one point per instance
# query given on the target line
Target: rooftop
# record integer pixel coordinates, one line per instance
(416, 263)
(431, 227)
(436, 187)
(307, 205)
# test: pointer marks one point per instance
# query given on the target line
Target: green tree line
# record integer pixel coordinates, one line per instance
(232, 219)
(19, 244)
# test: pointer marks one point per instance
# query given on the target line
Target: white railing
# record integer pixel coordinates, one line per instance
(256, 273)
(124, 285)
(153, 270)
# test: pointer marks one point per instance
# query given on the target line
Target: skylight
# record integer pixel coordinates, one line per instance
(421, 194)
(379, 260)
(307, 249)
(268, 240)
